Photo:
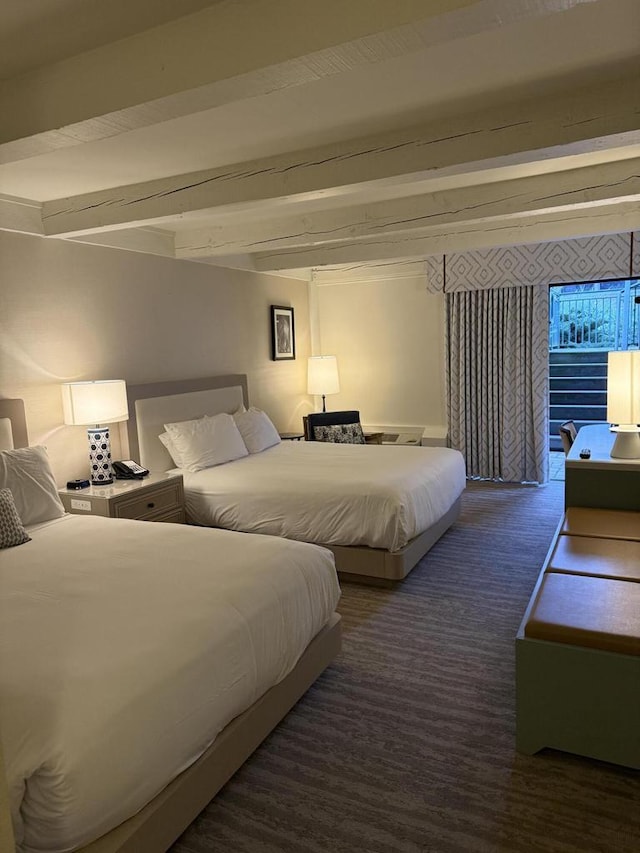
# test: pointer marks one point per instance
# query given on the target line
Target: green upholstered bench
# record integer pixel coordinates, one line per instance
(578, 647)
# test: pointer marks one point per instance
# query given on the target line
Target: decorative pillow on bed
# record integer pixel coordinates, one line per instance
(256, 429)
(11, 530)
(206, 442)
(27, 473)
(340, 433)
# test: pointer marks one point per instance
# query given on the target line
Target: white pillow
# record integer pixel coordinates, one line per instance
(256, 429)
(165, 438)
(27, 473)
(206, 441)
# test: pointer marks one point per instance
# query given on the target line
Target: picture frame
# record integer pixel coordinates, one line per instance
(283, 337)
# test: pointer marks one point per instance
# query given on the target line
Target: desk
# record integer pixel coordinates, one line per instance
(600, 481)
(373, 437)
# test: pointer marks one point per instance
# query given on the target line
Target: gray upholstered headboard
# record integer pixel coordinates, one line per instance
(152, 406)
(13, 425)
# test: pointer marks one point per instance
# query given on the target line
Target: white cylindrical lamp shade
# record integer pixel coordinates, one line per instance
(322, 375)
(101, 402)
(623, 388)
(623, 403)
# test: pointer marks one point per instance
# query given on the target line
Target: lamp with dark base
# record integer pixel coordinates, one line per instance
(99, 403)
(322, 377)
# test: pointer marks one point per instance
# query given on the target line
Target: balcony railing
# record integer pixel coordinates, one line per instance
(602, 319)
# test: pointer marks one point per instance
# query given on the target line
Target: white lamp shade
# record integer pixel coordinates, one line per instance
(623, 387)
(102, 402)
(322, 375)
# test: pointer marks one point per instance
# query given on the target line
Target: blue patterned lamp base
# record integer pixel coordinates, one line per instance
(100, 456)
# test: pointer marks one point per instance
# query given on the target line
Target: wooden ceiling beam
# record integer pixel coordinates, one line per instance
(227, 52)
(529, 228)
(573, 122)
(148, 241)
(376, 271)
(606, 182)
(20, 215)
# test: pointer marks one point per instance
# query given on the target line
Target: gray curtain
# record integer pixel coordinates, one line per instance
(497, 381)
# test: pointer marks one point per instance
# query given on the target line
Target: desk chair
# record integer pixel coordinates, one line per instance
(568, 433)
(338, 427)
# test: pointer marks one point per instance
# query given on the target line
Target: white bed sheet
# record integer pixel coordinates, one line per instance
(125, 647)
(330, 494)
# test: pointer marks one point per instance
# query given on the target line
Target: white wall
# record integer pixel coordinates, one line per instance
(389, 340)
(73, 311)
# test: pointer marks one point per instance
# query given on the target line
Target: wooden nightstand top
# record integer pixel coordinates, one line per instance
(120, 487)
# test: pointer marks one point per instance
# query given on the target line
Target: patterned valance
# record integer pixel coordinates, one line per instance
(582, 259)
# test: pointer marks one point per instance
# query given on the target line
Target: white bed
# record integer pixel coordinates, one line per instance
(379, 509)
(133, 654)
(331, 494)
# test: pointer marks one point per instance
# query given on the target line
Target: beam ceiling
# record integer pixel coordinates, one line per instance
(555, 156)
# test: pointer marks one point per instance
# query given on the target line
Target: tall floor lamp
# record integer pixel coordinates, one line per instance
(322, 377)
(98, 403)
(623, 403)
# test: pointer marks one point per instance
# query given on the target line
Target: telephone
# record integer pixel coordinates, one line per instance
(129, 470)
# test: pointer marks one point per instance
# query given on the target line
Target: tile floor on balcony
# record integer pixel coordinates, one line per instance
(556, 465)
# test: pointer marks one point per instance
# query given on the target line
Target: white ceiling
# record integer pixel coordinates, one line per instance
(34, 33)
(291, 135)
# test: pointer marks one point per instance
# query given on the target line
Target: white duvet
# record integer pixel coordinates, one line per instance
(125, 647)
(331, 494)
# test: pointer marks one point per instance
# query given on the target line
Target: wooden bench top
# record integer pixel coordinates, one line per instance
(603, 523)
(586, 555)
(600, 613)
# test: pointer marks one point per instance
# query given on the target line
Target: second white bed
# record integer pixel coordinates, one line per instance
(331, 494)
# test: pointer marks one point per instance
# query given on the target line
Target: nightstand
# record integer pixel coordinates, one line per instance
(159, 497)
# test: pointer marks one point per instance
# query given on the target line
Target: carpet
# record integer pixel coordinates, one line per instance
(406, 743)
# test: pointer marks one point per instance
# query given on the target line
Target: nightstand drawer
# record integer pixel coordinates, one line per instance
(139, 506)
(176, 516)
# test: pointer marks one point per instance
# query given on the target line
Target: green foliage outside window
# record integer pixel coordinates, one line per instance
(583, 329)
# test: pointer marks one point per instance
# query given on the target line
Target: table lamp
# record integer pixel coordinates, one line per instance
(98, 403)
(322, 376)
(623, 403)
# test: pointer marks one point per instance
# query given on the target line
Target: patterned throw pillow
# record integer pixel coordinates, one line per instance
(11, 530)
(340, 433)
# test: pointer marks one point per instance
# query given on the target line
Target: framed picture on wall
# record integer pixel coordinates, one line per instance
(283, 338)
